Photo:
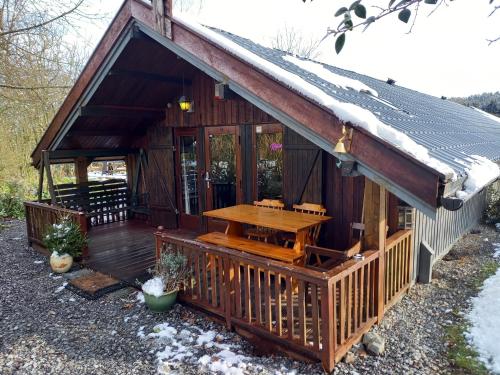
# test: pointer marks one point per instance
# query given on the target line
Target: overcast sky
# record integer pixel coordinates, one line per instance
(446, 54)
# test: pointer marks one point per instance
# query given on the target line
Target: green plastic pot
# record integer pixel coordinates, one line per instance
(162, 303)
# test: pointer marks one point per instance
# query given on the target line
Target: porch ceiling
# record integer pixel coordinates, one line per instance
(134, 93)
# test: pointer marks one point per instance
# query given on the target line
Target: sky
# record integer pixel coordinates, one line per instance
(446, 54)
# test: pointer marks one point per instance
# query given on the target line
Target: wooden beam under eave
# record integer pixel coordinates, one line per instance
(122, 112)
(149, 76)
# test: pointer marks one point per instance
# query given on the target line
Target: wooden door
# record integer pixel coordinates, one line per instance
(222, 174)
(159, 175)
(188, 177)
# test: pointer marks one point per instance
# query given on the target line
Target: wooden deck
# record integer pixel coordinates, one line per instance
(124, 249)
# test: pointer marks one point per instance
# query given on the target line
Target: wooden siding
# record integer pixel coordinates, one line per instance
(159, 176)
(449, 226)
(302, 170)
(343, 198)
(211, 112)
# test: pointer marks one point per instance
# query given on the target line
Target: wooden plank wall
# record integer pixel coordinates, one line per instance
(448, 227)
(159, 177)
(211, 112)
(298, 158)
(342, 196)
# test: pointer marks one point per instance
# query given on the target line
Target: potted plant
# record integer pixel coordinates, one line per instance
(170, 272)
(65, 241)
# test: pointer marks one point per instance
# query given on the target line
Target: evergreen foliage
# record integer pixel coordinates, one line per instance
(488, 102)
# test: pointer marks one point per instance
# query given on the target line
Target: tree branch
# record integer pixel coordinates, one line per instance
(32, 88)
(44, 23)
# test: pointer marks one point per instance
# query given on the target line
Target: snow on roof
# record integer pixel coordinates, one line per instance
(324, 73)
(346, 111)
(489, 115)
(480, 172)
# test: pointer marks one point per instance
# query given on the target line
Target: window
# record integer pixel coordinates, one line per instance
(269, 152)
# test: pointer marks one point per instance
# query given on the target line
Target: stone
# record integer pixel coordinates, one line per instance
(374, 343)
(349, 357)
(376, 348)
(362, 353)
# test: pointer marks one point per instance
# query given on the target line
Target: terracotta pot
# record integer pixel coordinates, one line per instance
(61, 263)
(162, 303)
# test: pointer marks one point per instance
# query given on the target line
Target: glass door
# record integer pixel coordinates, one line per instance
(222, 175)
(188, 187)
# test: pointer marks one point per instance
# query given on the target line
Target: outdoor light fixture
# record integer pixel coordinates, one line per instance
(184, 103)
(340, 147)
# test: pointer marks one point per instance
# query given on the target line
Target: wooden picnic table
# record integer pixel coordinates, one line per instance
(282, 220)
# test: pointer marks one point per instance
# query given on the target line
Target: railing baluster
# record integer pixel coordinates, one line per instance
(289, 307)
(277, 304)
(302, 312)
(248, 296)
(267, 303)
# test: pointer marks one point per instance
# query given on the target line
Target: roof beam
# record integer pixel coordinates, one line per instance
(149, 76)
(121, 112)
(90, 153)
(102, 132)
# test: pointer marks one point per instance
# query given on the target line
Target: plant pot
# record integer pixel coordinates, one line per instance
(162, 303)
(61, 263)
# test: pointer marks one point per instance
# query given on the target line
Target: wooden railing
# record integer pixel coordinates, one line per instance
(315, 314)
(39, 216)
(354, 295)
(398, 266)
(103, 202)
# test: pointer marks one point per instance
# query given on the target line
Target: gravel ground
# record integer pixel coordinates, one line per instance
(45, 329)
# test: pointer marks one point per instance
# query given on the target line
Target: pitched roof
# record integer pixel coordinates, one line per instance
(451, 132)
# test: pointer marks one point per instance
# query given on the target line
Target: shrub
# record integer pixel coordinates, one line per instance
(493, 207)
(173, 269)
(11, 201)
(65, 237)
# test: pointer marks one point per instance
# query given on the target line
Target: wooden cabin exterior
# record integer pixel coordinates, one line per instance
(125, 107)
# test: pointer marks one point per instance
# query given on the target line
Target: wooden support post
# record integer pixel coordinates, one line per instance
(50, 182)
(376, 233)
(81, 165)
(40, 181)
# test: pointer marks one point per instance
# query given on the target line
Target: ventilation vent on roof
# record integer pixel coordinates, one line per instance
(391, 81)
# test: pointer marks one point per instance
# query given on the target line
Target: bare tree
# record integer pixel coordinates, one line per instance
(290, 40)
(37, 67)
(188, 5)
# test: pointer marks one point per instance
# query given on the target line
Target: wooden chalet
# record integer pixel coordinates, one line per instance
(245, 137)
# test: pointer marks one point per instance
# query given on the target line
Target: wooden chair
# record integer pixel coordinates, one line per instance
(261, 233)
(306, 208)
(360, 227)
(323, 259)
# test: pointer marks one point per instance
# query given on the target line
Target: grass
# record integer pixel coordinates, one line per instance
(460, 354)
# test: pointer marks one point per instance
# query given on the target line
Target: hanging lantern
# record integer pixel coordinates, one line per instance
(184, 104)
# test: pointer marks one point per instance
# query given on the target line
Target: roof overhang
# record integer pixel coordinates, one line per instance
(409, 179)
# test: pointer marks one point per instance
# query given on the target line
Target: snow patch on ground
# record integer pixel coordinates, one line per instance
(325, 74)
(496, 249)
(484, 332)
(61, 288)
(139, 297)
(38, 262)
(480, 172)
(198, 348)
(346, 112)
(154, 286)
